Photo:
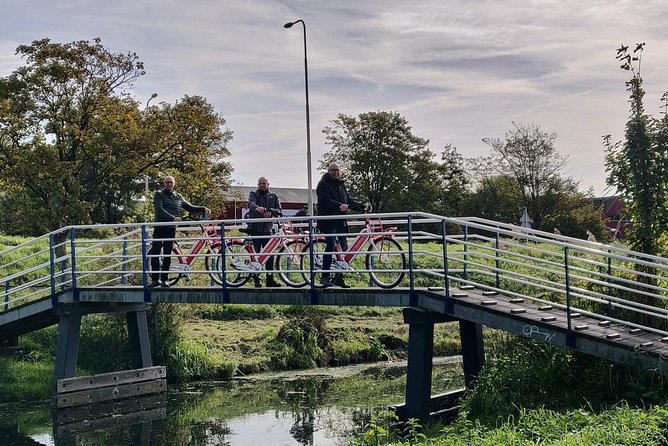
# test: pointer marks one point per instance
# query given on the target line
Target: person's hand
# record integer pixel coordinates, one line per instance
(178, 219)
(260, 210)
(207, 212)
(266, 214)
(343, 207)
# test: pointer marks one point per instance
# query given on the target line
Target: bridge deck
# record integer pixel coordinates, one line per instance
(616, 342)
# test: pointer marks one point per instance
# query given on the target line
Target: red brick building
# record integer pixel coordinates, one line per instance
(292, 200)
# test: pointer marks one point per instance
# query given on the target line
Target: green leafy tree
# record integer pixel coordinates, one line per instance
(385, 163)
(74, 147)
(524, 170)
(638, 166)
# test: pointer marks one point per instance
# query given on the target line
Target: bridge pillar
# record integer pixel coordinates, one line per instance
(420, 356)
(67, 346)
(140, 345)
(473, 350)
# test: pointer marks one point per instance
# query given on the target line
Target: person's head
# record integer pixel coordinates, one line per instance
(262, 184)
(334, 171)
(169, 183)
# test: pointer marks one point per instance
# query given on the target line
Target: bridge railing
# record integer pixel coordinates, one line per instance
(580, 277)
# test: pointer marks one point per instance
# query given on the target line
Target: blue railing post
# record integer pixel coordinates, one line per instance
(497, 261)
(313, 298)
(466, 250)
(223, 270)
(609, 283)
(144, 264)
(63, 267)
(52, 267)
(570, 338)
(411, 276)
(124, 267)
(7, 295)
(446, 276)
(73, 269)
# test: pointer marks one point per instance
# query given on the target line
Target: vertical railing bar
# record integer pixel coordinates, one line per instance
(411, 275)
(52, 267)
(124, 267)
(446, 277)
(223, 269)
(498, 261)
(144, 264)
(609, 284)
(7, 288)
(73, 270)
(313, 296)
(466, 250)
(570, 340)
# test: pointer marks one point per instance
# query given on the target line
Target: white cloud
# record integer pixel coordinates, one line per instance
(458, 70)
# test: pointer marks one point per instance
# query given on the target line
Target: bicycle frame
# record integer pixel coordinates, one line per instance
(367, 233)
(281, 238)
(206, 241)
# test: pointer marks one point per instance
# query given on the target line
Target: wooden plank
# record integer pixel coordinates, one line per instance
(110, 393)
(110, 379)
(117, 420)
(108, 409)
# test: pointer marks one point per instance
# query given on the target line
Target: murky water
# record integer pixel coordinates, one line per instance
(323, 407)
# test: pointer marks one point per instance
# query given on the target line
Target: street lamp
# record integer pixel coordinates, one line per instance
(153, 96)
(308, 121)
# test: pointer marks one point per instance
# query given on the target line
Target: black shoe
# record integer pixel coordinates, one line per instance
(325, 282)
(165, 285)
(154, 284)
(271, 283)
(338, 281)
(256, 281)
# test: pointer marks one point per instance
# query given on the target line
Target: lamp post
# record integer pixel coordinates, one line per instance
(153, 96)
(308, 120)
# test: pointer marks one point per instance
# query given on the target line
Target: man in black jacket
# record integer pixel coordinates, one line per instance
(167, 205)
(333, 199)
(263, 204)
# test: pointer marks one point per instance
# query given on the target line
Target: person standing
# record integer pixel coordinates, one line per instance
(333, 199)
(167, 205)
(263, 204)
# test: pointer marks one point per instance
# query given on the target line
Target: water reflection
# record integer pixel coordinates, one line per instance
(286, 411)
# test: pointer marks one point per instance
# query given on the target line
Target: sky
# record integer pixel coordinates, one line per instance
(458, 71)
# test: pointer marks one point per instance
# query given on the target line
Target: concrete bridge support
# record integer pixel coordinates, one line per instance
(420, 403)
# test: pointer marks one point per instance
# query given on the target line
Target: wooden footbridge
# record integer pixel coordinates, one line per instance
(598, 299)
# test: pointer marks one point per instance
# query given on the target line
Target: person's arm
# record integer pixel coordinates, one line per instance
(278, 210)
(325, 199)
(191, 208)
(158, 206)
(252, 205)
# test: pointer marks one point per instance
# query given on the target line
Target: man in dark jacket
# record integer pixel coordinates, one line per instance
(263, 204)
(333, 199)
(167, 205)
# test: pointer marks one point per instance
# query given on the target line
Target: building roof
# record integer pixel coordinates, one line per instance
(285, 194)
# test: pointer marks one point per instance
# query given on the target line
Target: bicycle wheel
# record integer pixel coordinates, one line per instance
(212, 264)
(386, 262)
(319, 246)
(177, 256)
(237, 264)
(288, 263)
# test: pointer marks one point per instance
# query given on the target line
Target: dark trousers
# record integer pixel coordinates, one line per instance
(258, 244)
(164, 248)
(331, 245)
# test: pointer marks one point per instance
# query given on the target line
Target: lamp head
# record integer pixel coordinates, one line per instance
(154, 95)
(289, 24)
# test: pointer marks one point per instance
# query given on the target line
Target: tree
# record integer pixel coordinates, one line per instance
(384, 162)
(638, 167)
(74, 147)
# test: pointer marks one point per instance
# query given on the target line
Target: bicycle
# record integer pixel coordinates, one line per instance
(285, 247)
(385, 259)
(210, 243)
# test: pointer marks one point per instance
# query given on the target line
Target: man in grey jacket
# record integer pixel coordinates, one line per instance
(263, 204)
(167, 205)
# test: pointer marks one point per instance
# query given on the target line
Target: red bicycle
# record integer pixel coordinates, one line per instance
(385, 260)
(285, 249)
(181, 265)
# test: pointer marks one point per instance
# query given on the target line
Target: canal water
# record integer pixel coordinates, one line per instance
(323, 407)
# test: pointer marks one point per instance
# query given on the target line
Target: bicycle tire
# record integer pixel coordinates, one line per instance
(211, 262)
(176, 253)
(236, 253)
(389, 254)
(285, 261)
(319, 246)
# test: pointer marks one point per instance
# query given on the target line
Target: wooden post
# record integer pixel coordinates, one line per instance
(473, 350)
